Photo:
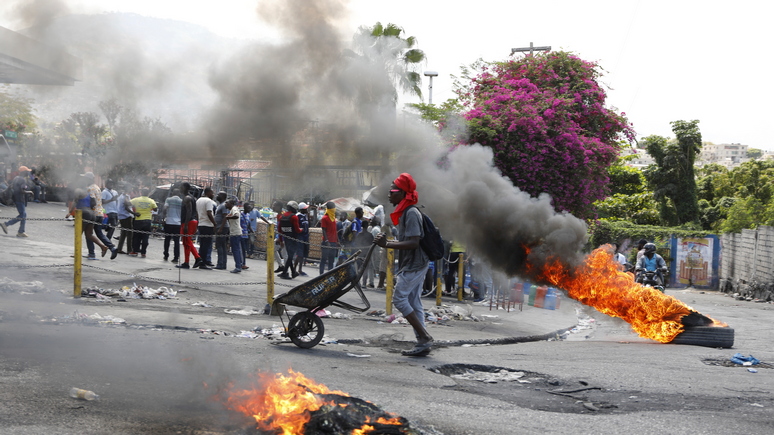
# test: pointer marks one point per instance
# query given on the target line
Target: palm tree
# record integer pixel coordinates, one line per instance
(383, 46)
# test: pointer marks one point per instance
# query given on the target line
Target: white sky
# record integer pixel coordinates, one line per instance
(665, 60)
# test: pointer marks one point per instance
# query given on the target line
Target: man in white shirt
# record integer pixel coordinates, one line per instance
(205, 208)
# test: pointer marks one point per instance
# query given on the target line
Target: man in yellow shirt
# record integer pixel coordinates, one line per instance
(143, 210)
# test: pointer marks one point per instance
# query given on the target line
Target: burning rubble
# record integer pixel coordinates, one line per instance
(599, 283)
(294, 404)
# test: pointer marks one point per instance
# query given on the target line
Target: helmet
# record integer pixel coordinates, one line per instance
(649, 247)
(292, 205)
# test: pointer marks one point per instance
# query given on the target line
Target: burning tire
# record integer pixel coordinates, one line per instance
(305, 329)
(707, 336)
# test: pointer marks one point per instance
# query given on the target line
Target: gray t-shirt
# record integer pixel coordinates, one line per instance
(173, 207)
(410, 225)
(220, 212)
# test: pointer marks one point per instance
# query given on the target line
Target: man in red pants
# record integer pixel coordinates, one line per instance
(188, 224)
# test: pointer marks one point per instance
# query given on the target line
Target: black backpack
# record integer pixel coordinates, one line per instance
(431, 242)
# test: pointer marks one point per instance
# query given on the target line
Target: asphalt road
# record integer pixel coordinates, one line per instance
(158, 373)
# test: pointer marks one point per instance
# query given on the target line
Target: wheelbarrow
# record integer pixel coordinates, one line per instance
(305, 329)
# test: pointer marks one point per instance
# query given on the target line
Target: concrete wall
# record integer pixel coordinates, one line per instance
(747, 263)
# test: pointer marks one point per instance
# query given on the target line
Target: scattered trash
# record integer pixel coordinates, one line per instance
(346, 316)
(751, 370)
(26, 288)
(126, 292)
(758, 405)
(501, 375)
(247, 334)
(247, 311)
(77, 393)
(201, 304)
(323, 313)
(358, 356)
(740, 359)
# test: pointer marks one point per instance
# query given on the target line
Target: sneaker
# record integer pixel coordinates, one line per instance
(198, 262)
(279, 269)
(114, 254)
(245, 267)
(295, 274)
(142, 255)
(132, 254)
(90, 257)
(183, 266)
(21, 235)
(4, 227)
(204, 267)
(166, 257)
(303, 274)
(285, 276)
(236, 271)
(209, 263)
(175, 260)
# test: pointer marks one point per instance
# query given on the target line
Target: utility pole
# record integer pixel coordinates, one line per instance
(531, 49)
(431, 74)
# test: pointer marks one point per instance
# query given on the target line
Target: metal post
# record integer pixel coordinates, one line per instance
(78, 255)
(390, 279)
(269, 264)
(438, 283)
(531, 49)
(460, 275)
(431, 74)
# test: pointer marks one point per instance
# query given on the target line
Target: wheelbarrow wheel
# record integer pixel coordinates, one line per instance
(305, 329)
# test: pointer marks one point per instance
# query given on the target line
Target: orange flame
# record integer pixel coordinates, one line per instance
(283, 404)
(599, 283)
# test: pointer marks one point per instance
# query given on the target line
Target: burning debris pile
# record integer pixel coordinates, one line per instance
(295, 404)
(597, 282)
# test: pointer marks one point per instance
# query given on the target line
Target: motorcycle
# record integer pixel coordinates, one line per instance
(651, 278)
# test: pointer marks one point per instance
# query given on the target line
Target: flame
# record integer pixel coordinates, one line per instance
(283, 403)
(599, 283)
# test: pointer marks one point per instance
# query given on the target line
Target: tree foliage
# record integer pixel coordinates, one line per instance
(672, 178)
(397, 56)
(545, 119)
(16, 113)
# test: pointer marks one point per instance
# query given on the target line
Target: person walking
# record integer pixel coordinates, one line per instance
(83, 201)
(244, 224)
(20, 186)
(144, 207)
(222, 231)
(110, 204)
(290, 231)
(125, 218)
(173, 206)
(330, 243)
(98, 215)
(412, 260)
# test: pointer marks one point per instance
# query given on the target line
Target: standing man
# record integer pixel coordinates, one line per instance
(143, 207)
(205, 209)
(172, 211)
(303, 246)
(188, 224)
(222, 230)
(235, 233)
(330, 243)
(412, 260)
(290, 232)
(20, 187)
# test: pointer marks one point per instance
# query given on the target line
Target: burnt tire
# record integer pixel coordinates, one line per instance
(706, 336)
(305, 329)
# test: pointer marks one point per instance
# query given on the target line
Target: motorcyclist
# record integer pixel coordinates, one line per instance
(651, 262)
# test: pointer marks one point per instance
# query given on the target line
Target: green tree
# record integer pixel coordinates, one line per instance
(16, 113)
(672, 178)
(111, 109)
(386, 48)
(746, 213)
(754, 153)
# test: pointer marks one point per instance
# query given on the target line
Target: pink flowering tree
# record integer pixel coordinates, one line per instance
(544, 116)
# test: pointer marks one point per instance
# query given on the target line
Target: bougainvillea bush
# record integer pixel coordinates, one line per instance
(544, 116)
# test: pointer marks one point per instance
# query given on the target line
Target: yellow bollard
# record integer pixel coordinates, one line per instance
(78, 257)
(390, 279)
(460, 276)
(269, 264)
(438, 285)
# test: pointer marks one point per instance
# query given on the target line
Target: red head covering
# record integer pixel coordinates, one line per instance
(407, 184)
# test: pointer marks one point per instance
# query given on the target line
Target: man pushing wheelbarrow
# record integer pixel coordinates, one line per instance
(305, 329)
